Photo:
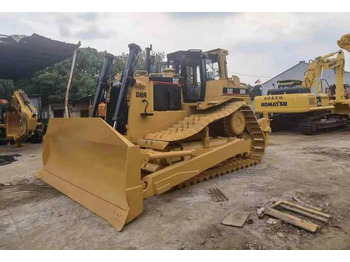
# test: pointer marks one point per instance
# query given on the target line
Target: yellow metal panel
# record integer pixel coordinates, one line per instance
(138, 125)
(342, 107)
(166, 178)
(92, 163)
(291, 103)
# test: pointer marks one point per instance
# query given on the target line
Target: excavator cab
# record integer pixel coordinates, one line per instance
(288, 87)
(150, 132)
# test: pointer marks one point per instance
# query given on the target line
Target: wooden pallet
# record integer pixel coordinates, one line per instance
(301, 210)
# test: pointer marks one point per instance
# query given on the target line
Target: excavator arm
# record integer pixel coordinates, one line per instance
(344, 42)
(21, 118)
(314, 73)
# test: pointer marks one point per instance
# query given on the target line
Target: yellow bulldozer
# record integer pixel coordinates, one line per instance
(150, 132)
(313, 105)
(20, 120)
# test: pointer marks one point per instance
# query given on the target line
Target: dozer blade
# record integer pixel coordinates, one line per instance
(94, 165)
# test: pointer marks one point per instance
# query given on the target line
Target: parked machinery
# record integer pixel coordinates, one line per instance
(161, 130)
(314, 105)
(20, 120)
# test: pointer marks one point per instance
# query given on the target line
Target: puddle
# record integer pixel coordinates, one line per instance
(8, 159)
(25, 191)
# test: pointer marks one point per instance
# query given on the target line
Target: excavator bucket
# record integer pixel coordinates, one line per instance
(344, 42)
(15, 126)
(94, 165)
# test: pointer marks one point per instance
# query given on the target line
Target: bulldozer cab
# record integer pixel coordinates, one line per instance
(189, 65)
(196, 68)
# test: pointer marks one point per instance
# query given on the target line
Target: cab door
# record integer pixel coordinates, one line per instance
(194, 84)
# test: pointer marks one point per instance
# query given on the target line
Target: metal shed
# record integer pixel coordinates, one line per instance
(297, 73)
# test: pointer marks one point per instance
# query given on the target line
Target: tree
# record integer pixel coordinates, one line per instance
(158, 58)
(51, 82)
(6, 88)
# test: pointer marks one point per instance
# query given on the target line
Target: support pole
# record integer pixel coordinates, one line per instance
(66, 100)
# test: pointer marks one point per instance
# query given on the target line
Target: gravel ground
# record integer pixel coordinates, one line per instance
(315, 169)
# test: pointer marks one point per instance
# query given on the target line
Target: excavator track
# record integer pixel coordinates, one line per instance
(323, 122)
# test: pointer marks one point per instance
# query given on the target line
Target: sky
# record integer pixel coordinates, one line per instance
(260, 45)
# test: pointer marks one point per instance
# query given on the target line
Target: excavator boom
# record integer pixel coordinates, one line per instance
(314, 74)
(344, 42)
(21, 119)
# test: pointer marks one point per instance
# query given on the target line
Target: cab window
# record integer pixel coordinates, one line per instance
(193, 82)
(212, 69)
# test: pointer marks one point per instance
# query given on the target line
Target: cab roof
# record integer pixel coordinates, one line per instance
(196, 52)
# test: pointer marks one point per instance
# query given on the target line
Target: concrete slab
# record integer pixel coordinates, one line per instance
(236, 219)
(313, 168)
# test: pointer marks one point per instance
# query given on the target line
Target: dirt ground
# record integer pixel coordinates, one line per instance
(315, 169)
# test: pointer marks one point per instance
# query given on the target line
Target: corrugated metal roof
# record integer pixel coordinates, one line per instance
(21, 56)
(297, 73)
